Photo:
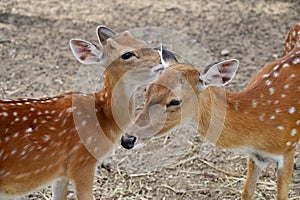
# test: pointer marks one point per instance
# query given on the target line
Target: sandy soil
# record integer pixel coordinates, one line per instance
(35, 60)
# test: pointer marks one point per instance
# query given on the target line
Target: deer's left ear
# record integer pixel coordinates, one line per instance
(104, 33)
(219, 74)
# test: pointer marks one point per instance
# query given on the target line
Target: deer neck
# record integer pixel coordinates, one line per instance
(114, 105)
(224, 117)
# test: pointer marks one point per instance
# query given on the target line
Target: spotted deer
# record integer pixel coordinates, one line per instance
(261, 121)
(61, 138)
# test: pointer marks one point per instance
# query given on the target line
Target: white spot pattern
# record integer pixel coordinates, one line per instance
(293, 132)
(95, 149)
(83, 123)
(52, 128)
(46, 138)
(254, 103)
(268, 82)
(266, 75)
(71, 109)
(276, 67)
(280, 128)
(292, 110)
(271, 90)
(286, 86)
(13, 152)
(296, 61)
(275, 74)
(29, 130)
(89, 140)
(5, 114)
(285, 65)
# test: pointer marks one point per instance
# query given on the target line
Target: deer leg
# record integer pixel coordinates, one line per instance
(284, 173)
(253, 172)
(83, 180)
(60, 189)
(84, 187)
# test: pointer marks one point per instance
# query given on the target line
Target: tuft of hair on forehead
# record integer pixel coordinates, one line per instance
(184, 70)
(176, 74)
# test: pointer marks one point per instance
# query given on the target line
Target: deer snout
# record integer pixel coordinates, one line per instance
(127, 141)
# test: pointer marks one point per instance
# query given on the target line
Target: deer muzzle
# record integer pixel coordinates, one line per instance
(127, 141)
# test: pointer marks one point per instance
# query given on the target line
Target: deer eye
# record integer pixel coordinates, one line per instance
(127, 55)
(174, 102)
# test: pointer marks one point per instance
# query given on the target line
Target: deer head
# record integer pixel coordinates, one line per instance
(120, 54)
(128, 64)
(179, 93)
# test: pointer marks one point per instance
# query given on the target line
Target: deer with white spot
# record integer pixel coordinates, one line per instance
(39, 138)
(261, 121)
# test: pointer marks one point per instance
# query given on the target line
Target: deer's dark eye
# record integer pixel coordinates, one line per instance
(174, 102)
(127, 55)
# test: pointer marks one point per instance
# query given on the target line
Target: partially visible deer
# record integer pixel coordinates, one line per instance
(39, 138)
(292, 40)
(261, 121)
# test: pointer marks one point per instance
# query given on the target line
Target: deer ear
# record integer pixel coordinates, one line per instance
(86, 52)
(127, 34)
(219, 74)
(104, 33)
(167, 58)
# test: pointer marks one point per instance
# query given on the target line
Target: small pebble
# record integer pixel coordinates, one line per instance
(224, 52)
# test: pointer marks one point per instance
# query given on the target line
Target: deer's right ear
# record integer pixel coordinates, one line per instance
(104, 33)
(219, 74)
(86, 52)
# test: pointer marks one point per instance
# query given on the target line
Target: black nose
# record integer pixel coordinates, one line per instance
(128, 142)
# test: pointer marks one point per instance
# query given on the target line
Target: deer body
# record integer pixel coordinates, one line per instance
(262, 121)
(41, 142)
(30, 151)
(61, 138)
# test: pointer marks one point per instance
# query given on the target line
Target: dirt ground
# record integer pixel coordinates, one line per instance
(35, 61)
